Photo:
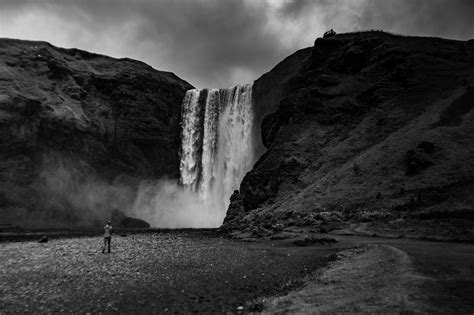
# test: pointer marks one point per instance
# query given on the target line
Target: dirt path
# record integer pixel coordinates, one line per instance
(387, 276)
(376, 279)
(448, 269)
(149, 273)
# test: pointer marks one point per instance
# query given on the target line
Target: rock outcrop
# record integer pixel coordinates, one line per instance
(367, 127)
(112, 116)
(120, 220)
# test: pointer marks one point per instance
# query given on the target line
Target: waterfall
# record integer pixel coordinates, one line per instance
(216, 144)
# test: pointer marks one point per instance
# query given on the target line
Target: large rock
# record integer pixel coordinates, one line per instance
(112, 116)
(120, 220)
(355, 120)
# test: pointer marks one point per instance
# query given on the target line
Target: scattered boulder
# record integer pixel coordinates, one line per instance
(277, 227)
(327, 216)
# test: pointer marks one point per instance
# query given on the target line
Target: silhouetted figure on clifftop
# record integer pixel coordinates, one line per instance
(329, 33)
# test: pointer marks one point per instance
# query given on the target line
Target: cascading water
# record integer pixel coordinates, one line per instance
(216, 144)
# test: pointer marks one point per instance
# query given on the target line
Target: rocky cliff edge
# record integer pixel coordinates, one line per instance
(370, 132)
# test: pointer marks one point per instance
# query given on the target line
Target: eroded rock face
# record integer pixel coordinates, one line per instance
(358, 117)
(272, 87)
(112, 116)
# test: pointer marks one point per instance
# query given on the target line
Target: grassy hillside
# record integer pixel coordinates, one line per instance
(375, 131)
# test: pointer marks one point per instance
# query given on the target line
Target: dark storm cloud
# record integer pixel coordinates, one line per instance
(443, 18)
(205, 42)
(218, 43)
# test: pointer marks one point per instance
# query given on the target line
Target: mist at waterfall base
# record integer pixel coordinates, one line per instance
(72, 194)
(217, 150)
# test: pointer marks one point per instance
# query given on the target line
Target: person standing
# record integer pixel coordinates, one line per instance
(107, 236)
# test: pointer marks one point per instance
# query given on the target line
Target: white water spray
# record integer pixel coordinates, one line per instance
(217, 150)
(216, 147)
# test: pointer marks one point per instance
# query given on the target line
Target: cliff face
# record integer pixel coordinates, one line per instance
(372, 128)
(57, 106)
(273, 86)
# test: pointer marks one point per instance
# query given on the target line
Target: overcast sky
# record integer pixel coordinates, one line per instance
(218, 43)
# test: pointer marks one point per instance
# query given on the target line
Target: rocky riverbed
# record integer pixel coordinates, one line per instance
(175, 272)
(199, 271)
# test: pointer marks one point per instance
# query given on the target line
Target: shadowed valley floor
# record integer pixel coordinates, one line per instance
(174, 272)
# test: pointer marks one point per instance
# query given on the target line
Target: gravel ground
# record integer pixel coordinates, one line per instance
(173, 272)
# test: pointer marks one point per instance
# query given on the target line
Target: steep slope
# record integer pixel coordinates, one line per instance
(373, 128)
(68, 115)
(271, 87)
